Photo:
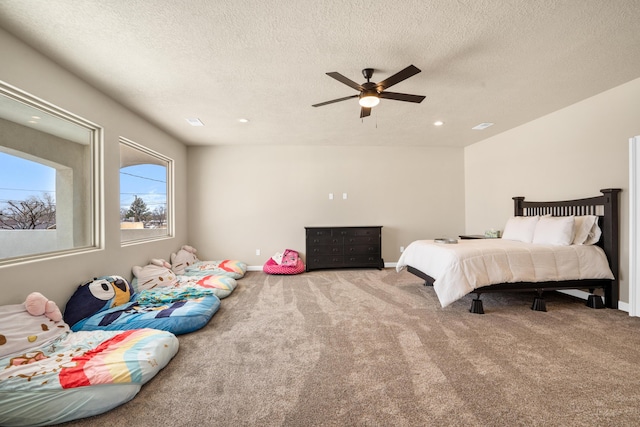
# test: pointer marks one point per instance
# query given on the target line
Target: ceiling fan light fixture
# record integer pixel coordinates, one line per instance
(369, 99)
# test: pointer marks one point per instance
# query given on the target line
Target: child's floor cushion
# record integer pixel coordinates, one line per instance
(220, 286)
(272, 267)
(228, 267)
(176, 310)
(75, 374)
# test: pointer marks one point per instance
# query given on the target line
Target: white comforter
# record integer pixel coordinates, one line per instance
(458, 269)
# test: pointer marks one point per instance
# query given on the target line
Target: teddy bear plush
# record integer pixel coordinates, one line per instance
(37, 305)
(184, 258)
(155, 274)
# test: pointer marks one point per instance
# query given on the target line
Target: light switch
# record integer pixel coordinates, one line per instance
(330, 196)
(344, 196)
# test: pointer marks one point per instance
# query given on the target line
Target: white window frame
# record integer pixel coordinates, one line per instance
(158, 159)
(64, 121)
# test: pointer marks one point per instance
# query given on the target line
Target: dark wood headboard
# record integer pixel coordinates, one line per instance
(605, 207)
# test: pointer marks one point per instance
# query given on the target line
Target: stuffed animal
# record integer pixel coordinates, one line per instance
(155, 274)
(98, 294)
(37, 305)
(185, 257)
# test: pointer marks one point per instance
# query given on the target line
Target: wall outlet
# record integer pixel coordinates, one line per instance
(257, 251)
(344, 196)
(401, 249)
(330, 196)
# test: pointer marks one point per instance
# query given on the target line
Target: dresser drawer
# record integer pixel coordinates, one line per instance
(325, 250)
(362, 249)
(361, 240)
(324, 240)
(359, 231)
(362, 260)
(319, 232)
(318, 261)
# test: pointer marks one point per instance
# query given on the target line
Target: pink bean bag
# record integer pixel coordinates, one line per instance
(290, 263)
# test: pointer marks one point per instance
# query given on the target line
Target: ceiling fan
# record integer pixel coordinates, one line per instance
(370, 93)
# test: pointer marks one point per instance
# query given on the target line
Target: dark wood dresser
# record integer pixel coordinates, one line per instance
(344, 247)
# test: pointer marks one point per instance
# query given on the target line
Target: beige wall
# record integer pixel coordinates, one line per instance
(247, 198)
(569, 154)
(57, 278)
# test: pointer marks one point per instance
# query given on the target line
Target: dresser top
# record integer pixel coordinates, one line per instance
(344, 226)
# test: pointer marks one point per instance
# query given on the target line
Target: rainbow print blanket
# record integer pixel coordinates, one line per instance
(79, 374)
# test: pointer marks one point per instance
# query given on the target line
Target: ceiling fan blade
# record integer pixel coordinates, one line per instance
(365, 111)
(339, 77)
(335, 100)
(402, 97)
(411, 70)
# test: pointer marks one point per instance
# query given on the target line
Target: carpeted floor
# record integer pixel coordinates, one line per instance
(374, 348)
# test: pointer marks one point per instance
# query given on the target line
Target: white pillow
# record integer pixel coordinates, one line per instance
(587, 230)
(520, 228)
(554, 230)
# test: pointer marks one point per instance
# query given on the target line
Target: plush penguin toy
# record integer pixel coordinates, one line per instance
(97, 295)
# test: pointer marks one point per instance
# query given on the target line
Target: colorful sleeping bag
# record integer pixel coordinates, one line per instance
(50, 375)
(176, 310)
(185, 262)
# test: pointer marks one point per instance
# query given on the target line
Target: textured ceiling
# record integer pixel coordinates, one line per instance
(501, 61)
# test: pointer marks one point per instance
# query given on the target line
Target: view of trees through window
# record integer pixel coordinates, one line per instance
(27, 194)
(145, 193)
(143, 196)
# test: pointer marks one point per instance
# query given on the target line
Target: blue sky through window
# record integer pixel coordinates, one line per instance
(21, 179)
(147, 181)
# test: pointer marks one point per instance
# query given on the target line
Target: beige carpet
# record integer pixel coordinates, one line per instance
(374, 348)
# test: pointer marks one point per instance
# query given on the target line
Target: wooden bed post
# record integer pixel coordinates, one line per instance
(518, 209)
(611, 243)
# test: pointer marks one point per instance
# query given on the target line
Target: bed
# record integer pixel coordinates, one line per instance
(50, 374)
(476, 266)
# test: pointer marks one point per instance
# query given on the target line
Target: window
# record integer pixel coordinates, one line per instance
(146, 183)
(50, 165)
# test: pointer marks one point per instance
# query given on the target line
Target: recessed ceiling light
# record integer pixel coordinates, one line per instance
(438, 123)
(482, 126)
(243, 120)
(195, 122)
